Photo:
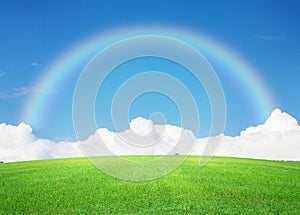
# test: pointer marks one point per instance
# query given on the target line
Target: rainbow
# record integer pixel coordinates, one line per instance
(253, 86)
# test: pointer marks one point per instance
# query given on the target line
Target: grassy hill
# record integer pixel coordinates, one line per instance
(224, 186)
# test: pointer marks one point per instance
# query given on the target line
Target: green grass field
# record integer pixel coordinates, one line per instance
(223, 186)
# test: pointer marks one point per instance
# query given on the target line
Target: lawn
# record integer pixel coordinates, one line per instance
(223, 186)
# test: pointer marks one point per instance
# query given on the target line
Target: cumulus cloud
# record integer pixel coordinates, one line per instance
(17, 143)
(278, 139)
(141, 126)
(145, 140)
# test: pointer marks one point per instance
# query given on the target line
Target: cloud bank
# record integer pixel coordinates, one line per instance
(277, 139)
(17, 143)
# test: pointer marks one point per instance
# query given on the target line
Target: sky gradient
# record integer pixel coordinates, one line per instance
(35, 34)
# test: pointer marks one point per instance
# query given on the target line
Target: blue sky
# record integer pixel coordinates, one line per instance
(35, 33)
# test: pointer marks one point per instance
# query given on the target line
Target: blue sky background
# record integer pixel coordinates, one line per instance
(35, 33)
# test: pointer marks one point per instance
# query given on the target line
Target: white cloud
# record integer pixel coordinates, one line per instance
(16, 92)
(277, 139)
(17, 143)
(21, 91)
(141, 126)
(35, 64)
(161, 139)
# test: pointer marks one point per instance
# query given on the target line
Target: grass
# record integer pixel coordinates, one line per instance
(223, 186)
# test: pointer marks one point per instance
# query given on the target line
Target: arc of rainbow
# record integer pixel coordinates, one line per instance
(254, 86)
